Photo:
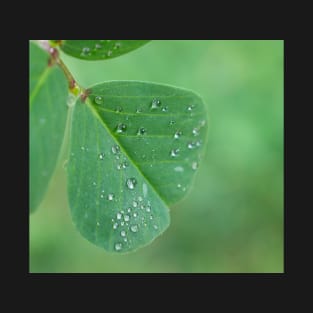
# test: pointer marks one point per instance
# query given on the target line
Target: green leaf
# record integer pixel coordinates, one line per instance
(134, 149)
(47, 105)
(99, 49)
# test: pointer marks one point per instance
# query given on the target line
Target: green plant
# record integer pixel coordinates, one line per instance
(134, 147)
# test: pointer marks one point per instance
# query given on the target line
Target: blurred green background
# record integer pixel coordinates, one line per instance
(232, 219)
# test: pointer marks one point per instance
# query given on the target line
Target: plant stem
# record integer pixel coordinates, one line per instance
(74, 88)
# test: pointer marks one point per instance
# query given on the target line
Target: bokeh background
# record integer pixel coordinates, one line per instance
(232, 219)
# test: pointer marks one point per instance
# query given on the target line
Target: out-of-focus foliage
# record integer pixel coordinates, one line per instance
(232, 220)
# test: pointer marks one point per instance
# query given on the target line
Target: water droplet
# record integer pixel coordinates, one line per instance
(121, 128)
(172, 122)
(178, 169)
(177, 134)
(122, 223)
(164, 109)
(202, 123)
(115, 225)
(195, 131)
(101, 196)
(98, 100)
(174, 152)
(178, 185)
(155, 226)
(110, 196)
(135, 214)
(194, 165)
(71, 99)
(190, 107)
(85, 51)
(131, 183)
(123, 233)
(126, 218)
(198, 143)
(101, 156)
(82, 148)
(144, 189)
(118, 215)
(115, 149)
(129, 210)
(118, 246)
(140, 198)
(118, 109)
(98, 224)
(155, 104)
(117, 45)
(148, 208)
(141, 131)
(135, 204)
(98, 46)
(138, 110)
(94, 183)
(191, 145)
(109, 53)
(134, 228)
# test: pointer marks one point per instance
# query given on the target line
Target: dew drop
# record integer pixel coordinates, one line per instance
(194, 165)
(190, 107)
(123, 233)
(144, 189)
(98, 100)
(109, 53)
(148, 208)
(71, 99)
(191, 145)
(141, 131)
(138, 110)
(172, 122)
(131, 183)
(82, 148)
(118, 215)
(110, 196)
(101, 196)
(134, 228)
(155, 226)
(155, 104)
(195, 131)
(98, 224)
(118, 246)
(129, 210)
(198, 143)
(117, 45)
(98, 46)
(118, 109)
(121, 128)
(122, 223)
(177, 134)
(164, 109)
(125, 239)
(115, 226)
(85, 51)
(94, 183)
(126, 218)
(135, 214)
(140, 198)
(174, 152)
(135, 204)
(178, 185)
(178, 169)
(101, 156)
(202, 123)
(115, 149)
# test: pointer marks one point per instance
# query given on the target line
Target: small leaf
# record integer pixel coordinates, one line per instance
(134, 149)
(47, 105)
(99, 49)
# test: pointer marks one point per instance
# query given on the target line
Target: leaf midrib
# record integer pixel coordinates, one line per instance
(96, 114)
(43, 77)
